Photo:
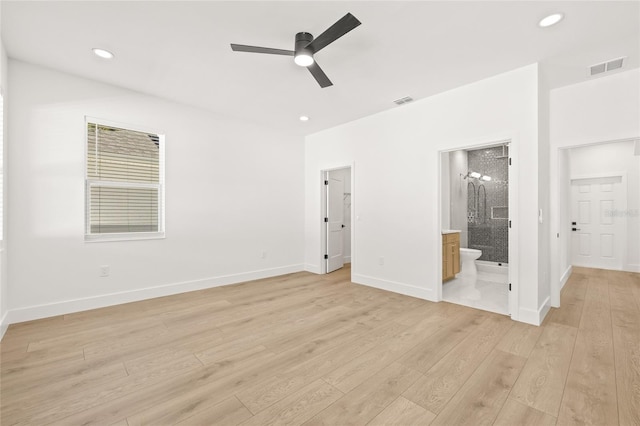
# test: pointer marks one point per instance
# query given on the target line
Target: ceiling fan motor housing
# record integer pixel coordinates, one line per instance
(302, 41)
(306, 46)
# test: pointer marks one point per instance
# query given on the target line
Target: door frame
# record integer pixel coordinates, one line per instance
(624, 189)
(558, 237)
(323, 211)
(512, 173)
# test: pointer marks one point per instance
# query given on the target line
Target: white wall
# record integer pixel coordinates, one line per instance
(616, 157)
(458, 164)
(600, 110)
(564, 218)
(3, 245)
(396, 157)
(544, 260)
(233, 190)
(445, 190)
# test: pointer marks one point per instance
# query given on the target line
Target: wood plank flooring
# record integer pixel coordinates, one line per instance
(319, 350)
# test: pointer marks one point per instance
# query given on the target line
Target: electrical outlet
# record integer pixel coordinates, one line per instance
(264, 255)
(381, 261)
(104, 270)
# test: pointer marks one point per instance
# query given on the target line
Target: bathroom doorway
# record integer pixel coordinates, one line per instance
(475, 200)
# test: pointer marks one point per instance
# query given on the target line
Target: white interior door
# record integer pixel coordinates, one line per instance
(335, 223)
(598, 237)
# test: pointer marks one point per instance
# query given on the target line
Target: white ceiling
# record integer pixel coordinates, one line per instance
(180, 50)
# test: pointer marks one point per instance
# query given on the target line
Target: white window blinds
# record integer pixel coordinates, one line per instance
(124, 181)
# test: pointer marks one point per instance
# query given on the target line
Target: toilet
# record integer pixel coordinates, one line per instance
(468, 261)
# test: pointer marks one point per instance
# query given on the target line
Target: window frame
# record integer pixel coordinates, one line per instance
(90, 182)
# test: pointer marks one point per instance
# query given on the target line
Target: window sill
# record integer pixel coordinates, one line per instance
(105, 238)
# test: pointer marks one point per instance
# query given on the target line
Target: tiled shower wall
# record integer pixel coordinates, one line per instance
(487, 215)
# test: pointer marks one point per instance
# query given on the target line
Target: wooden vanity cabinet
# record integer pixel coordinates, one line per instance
(450, 255)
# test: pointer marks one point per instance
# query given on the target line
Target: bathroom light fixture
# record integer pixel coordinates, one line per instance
(486, 178)
(550, 20)
(474, 175)
(304, 118)
(102, 53)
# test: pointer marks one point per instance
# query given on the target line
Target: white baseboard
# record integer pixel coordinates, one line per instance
(536, 317)
(347, 259)
(406, 289)
(565, 276)
(314, 269)
(4, 325)
(76, 305)
(633, 267)
(543, 310)
(528, 316)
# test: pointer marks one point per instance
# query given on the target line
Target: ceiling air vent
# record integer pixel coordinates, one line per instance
(611, 65)
(404, 100)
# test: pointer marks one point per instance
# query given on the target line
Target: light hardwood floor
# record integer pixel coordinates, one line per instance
(309, 349)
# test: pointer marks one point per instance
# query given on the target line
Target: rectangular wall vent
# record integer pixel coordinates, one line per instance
(611, 65)
(404, 100)
(615, 64)
(597, 69)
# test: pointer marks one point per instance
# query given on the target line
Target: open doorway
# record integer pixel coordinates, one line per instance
(599, 201)
(336, 217)
(476, 196)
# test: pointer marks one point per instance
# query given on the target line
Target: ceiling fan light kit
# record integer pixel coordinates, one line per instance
(306, 46)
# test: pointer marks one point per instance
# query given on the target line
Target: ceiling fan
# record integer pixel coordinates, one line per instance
(306, 46)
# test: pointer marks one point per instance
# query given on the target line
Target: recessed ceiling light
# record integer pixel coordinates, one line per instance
(550, 20)
(104, 54)
(304, 118)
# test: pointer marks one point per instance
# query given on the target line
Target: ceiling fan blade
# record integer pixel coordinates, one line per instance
(319, 75)
(334, 32)
(256, 49)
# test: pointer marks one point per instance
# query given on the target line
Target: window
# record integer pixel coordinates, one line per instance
(124, 186)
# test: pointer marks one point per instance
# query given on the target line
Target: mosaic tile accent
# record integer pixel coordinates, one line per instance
(485, 233)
